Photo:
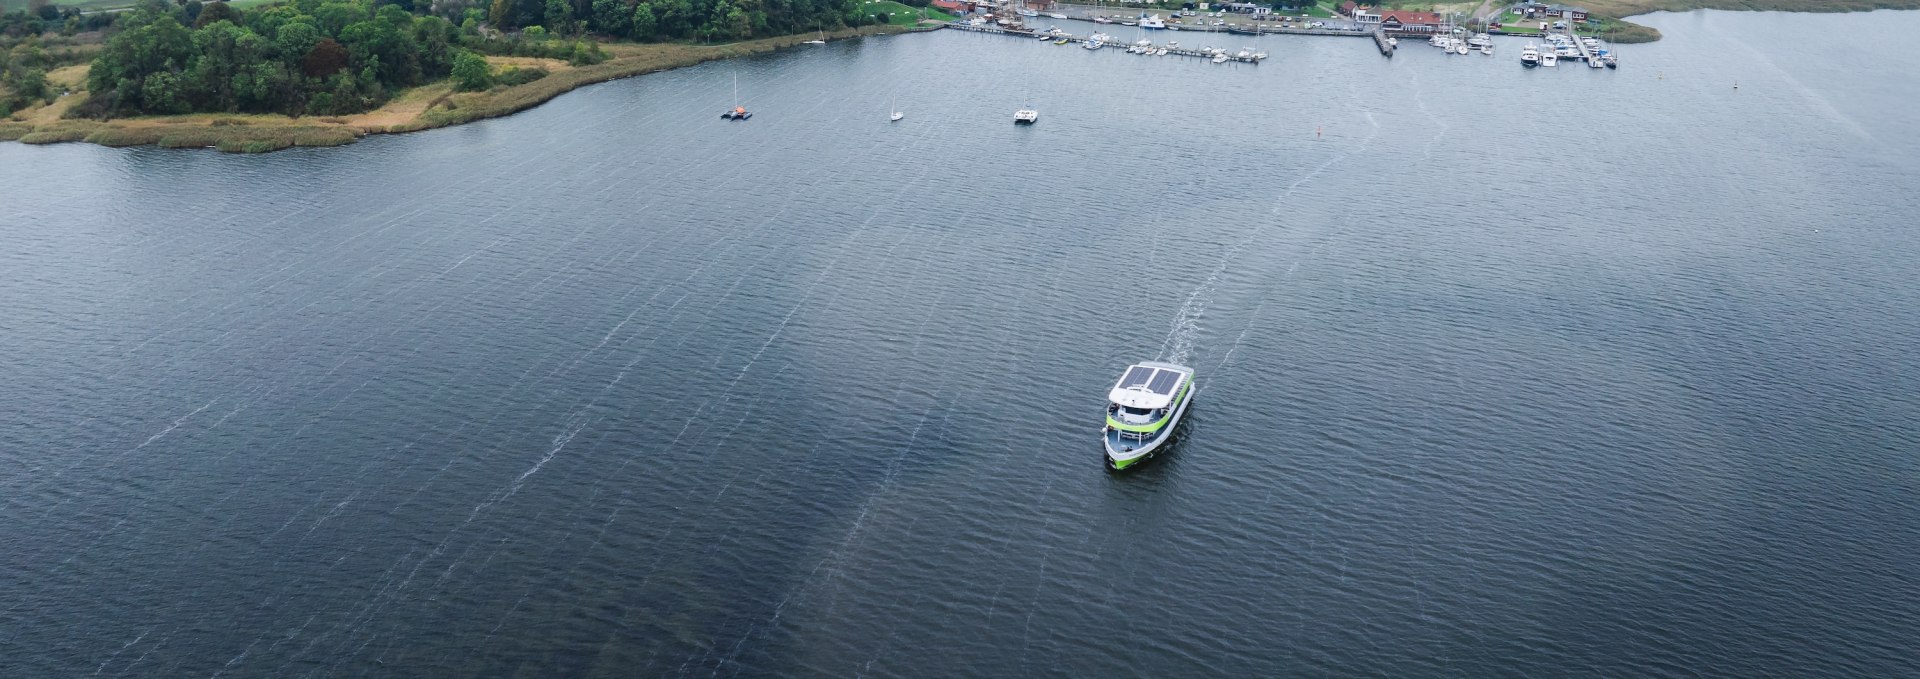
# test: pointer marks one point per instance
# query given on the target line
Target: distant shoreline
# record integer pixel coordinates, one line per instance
(437, 105)
(1624, 11)
(421, 108)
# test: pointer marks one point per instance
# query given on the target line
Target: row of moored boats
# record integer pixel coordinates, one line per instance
(1148, 48)
(1560, 46)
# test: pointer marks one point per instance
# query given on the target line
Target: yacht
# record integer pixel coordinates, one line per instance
(1152, 21)
(1142, 410)
(1548, 59)
(1478, 40)
(1530, 56)
(1102, 20)
(1026, 12)
(1056, 15)
(1219, 58)
(1025, 116)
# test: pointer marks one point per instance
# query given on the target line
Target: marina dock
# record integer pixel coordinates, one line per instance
(1586, 53)
(1203, 53)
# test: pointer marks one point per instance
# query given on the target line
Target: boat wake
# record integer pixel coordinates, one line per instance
(1185, 328)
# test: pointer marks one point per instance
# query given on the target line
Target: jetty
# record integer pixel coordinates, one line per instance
(1083, 41)
(1586, 53)
(1381, 40)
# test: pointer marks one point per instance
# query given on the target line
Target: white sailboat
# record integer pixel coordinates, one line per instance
(821, 41)
(896, 115)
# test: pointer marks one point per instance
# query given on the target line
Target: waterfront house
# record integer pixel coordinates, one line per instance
(953, 6)
(1567, 12)
(1410, 22)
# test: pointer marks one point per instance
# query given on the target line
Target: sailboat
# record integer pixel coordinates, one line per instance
(821, 41)
(738, 112)
(897, 115)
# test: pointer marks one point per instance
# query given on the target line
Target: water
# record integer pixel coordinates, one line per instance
(1504, 373)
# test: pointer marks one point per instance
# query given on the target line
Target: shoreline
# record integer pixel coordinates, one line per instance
(436, 105)
(421, 108)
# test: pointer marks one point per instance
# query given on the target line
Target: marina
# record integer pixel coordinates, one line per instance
(1218, 55)
(1385, 30)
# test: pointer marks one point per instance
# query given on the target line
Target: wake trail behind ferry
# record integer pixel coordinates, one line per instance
(1178, 346)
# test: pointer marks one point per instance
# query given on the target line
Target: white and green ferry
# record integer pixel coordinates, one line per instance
(1142, 410)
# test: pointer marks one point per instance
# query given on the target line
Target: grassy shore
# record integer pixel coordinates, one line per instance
(1628, 32)
(420, 108)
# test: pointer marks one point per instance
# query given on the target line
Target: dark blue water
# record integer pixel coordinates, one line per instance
(1503, 373)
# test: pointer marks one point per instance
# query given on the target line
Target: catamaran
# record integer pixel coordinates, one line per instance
(1143, 409)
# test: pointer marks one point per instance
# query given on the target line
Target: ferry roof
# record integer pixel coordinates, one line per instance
(1148, 386)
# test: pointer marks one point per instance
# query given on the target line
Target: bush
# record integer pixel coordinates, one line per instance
(470, 72)
(520, 76)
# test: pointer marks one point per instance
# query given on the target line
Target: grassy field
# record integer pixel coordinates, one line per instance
(903, 15)
(420, 108)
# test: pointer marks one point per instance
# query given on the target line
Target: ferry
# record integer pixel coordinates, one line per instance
(1143, 409)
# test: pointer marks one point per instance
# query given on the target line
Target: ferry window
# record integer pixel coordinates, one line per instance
(1136, 411)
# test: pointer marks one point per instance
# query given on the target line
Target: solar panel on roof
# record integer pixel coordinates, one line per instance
(1164, 381)
(1136, 376)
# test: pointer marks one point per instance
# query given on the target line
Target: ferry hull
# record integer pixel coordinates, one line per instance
(1120, 458)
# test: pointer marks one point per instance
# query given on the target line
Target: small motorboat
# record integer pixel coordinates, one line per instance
(1025, 116)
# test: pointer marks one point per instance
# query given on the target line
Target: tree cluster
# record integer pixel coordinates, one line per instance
(308, 56)
(702, 20)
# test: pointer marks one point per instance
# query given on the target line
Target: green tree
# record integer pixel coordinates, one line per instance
(470, 72)
(163, 92)
(644, 25)
(217, 11)
(612, 17)
(559, 17)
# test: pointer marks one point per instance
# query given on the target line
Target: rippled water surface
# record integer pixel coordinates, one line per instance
(1503, 373)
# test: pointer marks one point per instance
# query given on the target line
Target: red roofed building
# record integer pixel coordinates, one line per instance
(1413, 22)
(954, 6)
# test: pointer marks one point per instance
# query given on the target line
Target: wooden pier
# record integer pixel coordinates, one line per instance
(1586, 54)
(1081, 41)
